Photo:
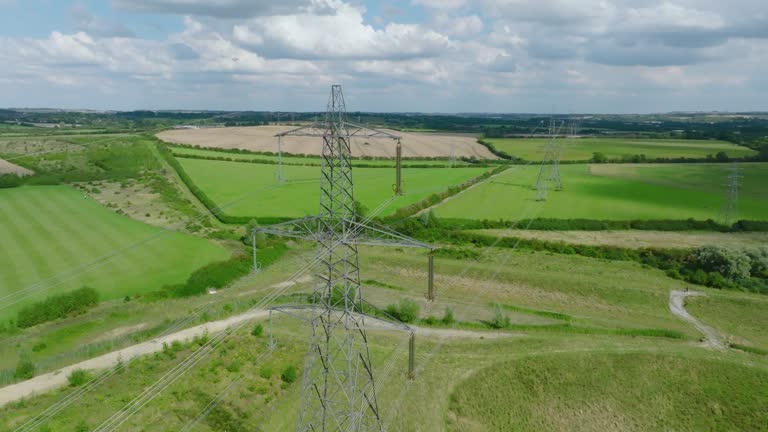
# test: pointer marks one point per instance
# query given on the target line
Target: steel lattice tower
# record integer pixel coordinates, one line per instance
(549, 172)
(338, 387)
(732, 197)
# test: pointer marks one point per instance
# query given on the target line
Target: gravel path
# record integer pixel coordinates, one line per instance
(677, 306)
(48, 381)
(52, 380)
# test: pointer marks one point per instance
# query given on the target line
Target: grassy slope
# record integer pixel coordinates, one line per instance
(583, 148)
(619, 192)
(594, 292)
(616, 392)
(225, 182)
(299, 160)
(743, 317)
(55, 228)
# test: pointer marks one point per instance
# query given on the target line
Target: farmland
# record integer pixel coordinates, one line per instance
(616, 192)
(227, 182)
(582, 149)
(55, 228)
(261, 139)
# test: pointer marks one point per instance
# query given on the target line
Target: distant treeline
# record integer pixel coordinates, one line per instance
(549, 224)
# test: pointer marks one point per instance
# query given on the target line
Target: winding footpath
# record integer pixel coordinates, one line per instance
(677, 306)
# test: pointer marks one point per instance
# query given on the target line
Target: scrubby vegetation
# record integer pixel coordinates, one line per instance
(57, 306)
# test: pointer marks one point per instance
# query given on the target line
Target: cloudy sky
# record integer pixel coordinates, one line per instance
(567, 56)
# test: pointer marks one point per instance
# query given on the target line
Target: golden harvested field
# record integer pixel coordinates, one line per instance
(261, 139)
(9, 168)
(640, 239)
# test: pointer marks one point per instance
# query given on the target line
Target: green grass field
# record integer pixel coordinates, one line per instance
(47, 230)
(303, 160)
(616, 192)
(581, 149)
(226, 182)
(616, 392)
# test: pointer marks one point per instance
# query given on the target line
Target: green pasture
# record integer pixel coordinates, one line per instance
(582, 149)
(616, 192)
(246, 189)
(187, 151)
(48, 231)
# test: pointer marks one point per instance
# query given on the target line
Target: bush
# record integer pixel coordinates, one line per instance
(290, 374)
(58, 306)
(25, 369)
(78, 377)
(407, 311)
(500, 320)
(265, 373)
(448, 317)
(258, 330)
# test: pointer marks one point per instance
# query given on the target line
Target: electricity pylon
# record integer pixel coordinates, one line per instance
(549, 172)
(338, 388)
(732, 195)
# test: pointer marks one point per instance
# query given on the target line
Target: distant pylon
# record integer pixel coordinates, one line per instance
(549, 172)
(730, 207)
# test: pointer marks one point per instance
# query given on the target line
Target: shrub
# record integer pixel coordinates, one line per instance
(265, 373)
(58, 306)
(258, 330)
(448, 316)
(758, 258)
(290, 374)
(78, 377)
(82, 426)
(25, 369)
(39, 347)
(406, 311)
(500, 320)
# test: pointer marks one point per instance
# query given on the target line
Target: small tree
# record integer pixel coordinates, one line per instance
(598, 157)
(732, 264)
(408, 311)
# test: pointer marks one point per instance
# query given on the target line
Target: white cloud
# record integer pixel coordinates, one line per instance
(458, 26)
(440, 4)
(220, 8)
(342, 35)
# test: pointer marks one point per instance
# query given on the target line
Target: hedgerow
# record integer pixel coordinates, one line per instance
(57, 306)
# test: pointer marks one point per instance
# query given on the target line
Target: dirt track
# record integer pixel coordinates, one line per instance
(9, 168)
(677, 306)
(52, 380)
(261, 138)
